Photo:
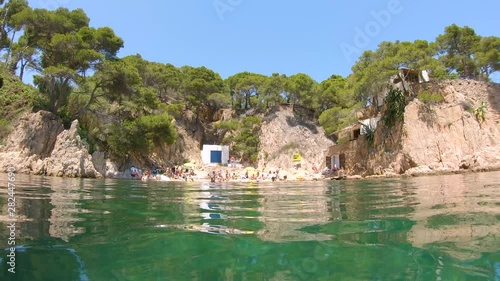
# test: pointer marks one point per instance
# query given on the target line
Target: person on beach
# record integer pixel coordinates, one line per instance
(314, 168)
(213, 177)
(134, 172)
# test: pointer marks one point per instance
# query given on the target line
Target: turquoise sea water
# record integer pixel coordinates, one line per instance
(425, 228)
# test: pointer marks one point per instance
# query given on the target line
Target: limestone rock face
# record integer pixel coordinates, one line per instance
(447, 136)
(108, 168)
(283, 133)
(36, 134)
(437, 137)
(40, 145)
(70, 156)
(187, 147)
(32, 140)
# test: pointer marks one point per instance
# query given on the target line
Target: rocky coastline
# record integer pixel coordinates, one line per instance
(433, 140)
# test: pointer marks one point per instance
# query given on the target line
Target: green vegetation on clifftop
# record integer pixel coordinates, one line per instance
(15, 99)
(127, 106)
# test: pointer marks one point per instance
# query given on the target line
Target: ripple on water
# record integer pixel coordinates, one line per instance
(426, 227)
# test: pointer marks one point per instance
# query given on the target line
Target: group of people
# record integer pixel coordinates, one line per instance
(174, 172)
(219, 176)
(222, 177)
(177, 172)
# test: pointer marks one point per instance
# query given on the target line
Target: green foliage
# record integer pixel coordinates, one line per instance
(480, 112)
(372, 71)
(488, 56)
(301, 89)
(199, 83)
(127, 104)
(333, 92)
(15, 98)
(342, 140)
(457, 47)
(369, 134)
(246, 89)
(140, 136)
(10, 20)
(86, 138)
(174, 110)
(396, 103)
(428, 97)
(219, 100)
(246, 140)
(158, 128)
(273, 90)
(4, 127)
(467, 54)
(228, 125)
(62, 47)
(336, 118)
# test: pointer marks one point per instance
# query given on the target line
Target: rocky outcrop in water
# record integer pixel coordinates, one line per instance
(39, 145)
(32, 140)
(70, 156)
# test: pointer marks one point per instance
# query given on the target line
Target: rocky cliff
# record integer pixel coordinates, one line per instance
(444, 136)
(435, 137)
(286, 130)
(39, 145)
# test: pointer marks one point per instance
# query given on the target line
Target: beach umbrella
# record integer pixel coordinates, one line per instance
(251, 171)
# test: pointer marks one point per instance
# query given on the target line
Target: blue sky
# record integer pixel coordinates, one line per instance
(319, 38)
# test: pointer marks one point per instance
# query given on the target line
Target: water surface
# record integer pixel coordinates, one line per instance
(425, 228)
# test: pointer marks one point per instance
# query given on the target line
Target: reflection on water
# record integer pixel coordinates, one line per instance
(459, 215)
(425, 228)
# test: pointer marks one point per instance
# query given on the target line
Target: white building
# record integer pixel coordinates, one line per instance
(215, 154)
(370, 123)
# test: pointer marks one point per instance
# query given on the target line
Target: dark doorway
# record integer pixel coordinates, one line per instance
(342, 160)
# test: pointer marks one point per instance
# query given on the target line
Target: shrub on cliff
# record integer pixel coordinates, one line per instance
(428, 97)
(396, 103)
(15, 98)
(244, 137)
(480, 112)
(141, 135)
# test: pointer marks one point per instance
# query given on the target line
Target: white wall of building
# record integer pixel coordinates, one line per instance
(371, 122)
(207, 149)
(335, 161)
